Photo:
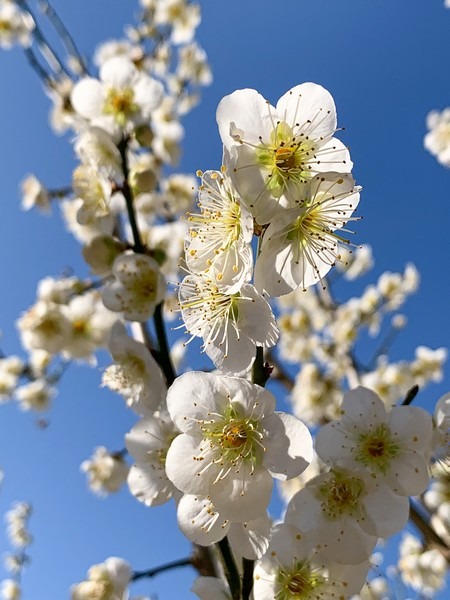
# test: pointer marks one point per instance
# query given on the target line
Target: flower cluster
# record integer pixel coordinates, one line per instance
(20, 538)
(271, 222)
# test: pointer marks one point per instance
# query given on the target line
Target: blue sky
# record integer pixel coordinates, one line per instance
(386, 64)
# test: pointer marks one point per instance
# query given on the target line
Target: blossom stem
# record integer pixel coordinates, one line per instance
(184, 562)
(37, 67)
(410, 395)
(260, 374)
(428, 532)
(231, 571)
(47, 51)
(62, 30)
(164, 352)
(280, 373)
(128, 195)
(247, 578)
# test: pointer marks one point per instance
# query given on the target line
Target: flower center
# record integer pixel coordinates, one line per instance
(120, 104)
(299, 583)
(146, 287)
(285, 158)
(79, 327)
(5, 26)
(236, 437)
(376, 448)
(340, 495)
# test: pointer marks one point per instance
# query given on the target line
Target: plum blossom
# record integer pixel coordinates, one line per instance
(392, 446)
(148, 443)
(232, 443)
(106, 471)
(138, 286)
(294, 567)
(230, 325)
(123, 96)
(437, 139)
(220, 235)
(301, 244)
(348, 511)
(271, 152)
(16, 25)
(108, 580)
(135, 374)
(10, 590)
(35, 194)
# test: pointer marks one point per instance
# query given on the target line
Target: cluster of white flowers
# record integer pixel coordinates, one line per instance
(272, 221)
(322, 335)
(437, 139)
(20, 538)
(16, 25)
(424, 570)
(68, 319)
(106, 471)
(106, 581)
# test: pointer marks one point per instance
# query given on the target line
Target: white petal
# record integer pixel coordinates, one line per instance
(289, 447)
(251, 539)
(312, 107)
(242, 496)
(149, 484)
(185, 469)
(387, 512)
(87, 98)
(199, 521)
(246, 111)
(192, 396)
(118, 72)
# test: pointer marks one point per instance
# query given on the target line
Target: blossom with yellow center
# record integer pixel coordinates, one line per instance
(301, 244)
(296, 568)
(123, 96)
(232, 443)
(220, 236)
(393, 447)
(231, 325)
(271, 152)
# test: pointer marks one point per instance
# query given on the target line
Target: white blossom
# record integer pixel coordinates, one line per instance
(106, 472)
(35, 194)
(123, 94)
(271, 152)
(393, 446)
(10, 590)
(301, 244)
(16, 26)
(231, 325)
(137, 288)
(437, 139)
(148, 443)
(294, 567)
(220, 236)
(106, 581)
(135, 374)
(232, 442)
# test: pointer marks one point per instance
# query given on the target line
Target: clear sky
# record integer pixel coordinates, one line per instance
(386, 64)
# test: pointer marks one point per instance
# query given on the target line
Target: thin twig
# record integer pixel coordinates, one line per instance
(128, 195)
(66, 38)
(247, 579)
(230, 568)
(37, 67)
(184, 562)
(165, 359)
(47, 51)
(428, 532)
